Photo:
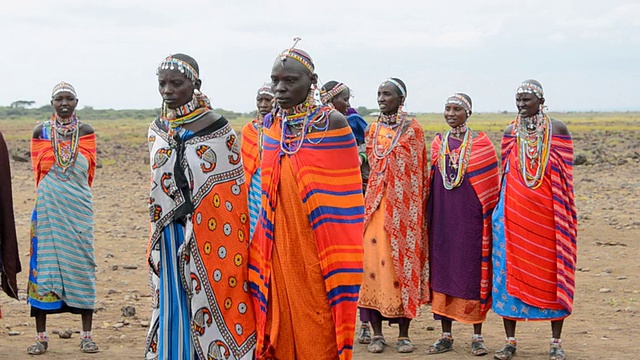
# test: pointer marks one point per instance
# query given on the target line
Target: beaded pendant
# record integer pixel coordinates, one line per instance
(533, 147)
(458, 160)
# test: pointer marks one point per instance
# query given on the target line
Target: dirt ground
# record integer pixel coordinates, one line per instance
(604, 325)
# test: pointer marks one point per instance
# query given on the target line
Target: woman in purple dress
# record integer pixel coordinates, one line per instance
(463, 193)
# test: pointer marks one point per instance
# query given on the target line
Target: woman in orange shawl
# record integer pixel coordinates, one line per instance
(396, 267)
(534, 223)
(306, 255)
(463, 192)
(62, 266)
(251, 145)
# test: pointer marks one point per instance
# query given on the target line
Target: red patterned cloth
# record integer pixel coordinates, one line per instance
(403, 178)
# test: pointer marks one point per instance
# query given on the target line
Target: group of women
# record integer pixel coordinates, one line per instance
(266, 246)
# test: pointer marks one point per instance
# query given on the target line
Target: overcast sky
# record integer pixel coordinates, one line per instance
(585, 53)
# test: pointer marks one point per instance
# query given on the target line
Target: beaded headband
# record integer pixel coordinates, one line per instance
(265, 90)
(326, 96)
(397, 84)
(63, 87)
(298, 55)
(171, 63)
(531, 88)
(460, 100)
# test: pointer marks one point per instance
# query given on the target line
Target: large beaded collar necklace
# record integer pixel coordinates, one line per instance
(64, 141)
(299, 121)
(533, 138)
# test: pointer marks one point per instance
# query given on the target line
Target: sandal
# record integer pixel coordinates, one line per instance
(38, 348)
(478, 348)
(506, 352)
(364, 336)
(404, 346)
(556, 353)
(88, 346)
(443, 345)
(377, 344)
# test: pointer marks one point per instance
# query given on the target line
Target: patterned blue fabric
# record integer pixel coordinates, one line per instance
(255, 195)
(62, 257)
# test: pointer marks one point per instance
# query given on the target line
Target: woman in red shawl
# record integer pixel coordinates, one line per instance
(396, 269)
(534, 223)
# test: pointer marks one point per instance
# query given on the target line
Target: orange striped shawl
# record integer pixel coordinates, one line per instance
(330, 185)
(482, 174)
(404, 181)
(42, 157)
(250, 150)
(545, 237)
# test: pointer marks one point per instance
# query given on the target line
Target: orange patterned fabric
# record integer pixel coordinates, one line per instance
(462, 310)
(250, 149)
(380, 288)
(42, 154)
(328, 182)
(402, 179)
(299, 323)
(198, 261)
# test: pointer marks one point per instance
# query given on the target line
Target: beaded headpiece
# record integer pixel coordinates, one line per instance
(63, 87)
(172, 63)
(528, 87)
(403, 91)
(298, 55)
(460, 100)
(326, 96)
(265, 90)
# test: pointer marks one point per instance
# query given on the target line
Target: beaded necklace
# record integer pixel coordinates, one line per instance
(185, 114)
(459, 130)
(303, 119)
(533, 137)
(188, 113)
(388, 121)
(458, 160)
(259, 125)
(64, 151)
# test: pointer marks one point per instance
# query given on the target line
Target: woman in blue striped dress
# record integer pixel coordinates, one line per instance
(62, 266)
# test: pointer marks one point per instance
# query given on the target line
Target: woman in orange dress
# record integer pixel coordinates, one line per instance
(396, 270)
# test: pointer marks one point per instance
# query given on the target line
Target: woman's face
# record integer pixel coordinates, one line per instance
(290, 82)
(455, 115)
(528, 104)
(176, 89)
(341, 101)
(389, 98)
(264, 103)
(64, 104)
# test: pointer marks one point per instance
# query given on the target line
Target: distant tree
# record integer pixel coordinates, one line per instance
(22, 104)
(363, 111)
